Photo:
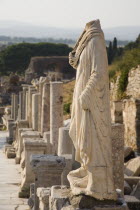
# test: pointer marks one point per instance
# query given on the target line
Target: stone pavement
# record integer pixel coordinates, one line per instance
(9, 181)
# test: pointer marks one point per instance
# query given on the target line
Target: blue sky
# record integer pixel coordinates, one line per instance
(72, 13)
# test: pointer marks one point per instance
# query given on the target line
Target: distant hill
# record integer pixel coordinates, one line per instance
(19, 29)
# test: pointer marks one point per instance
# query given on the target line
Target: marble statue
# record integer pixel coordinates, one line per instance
(90, 127)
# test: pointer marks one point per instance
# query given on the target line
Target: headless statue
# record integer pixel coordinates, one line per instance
(90, 128)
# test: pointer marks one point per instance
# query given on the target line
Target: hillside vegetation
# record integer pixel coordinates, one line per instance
(16, 58)
(122, 65)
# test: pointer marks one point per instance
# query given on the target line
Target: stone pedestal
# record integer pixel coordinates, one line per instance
(47, 170)
(35, 111)
(56, 112)
(45, 113)
(34, 146)
(62, 199)
(64, 142)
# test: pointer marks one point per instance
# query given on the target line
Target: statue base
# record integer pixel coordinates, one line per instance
(62, 199)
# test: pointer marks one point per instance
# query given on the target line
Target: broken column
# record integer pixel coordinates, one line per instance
(31, 91)
(56, 112)
(45, 114)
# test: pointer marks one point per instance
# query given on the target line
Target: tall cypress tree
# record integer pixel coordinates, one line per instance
(110, 53)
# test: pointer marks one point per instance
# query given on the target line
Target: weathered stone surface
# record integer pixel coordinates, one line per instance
(132, 167)
(64, 142)
(35, 111)
(47, 170)
(132, 180)
(45, 114)
(67, 169)
(56, 113)
(32, 146)
(134, 82)
(61, 198)
(131, 119)
(116, 112)
(117, 136)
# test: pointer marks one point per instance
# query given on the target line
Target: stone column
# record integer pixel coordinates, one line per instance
(25, 89)
(15, 106)
(26, 106)
(56, 112)
(31, 91)
(20, 117)
(12, 106)
(35, 111)
(45, 114)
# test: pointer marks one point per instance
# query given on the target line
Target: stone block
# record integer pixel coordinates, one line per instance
(32, 146)
(62, 199)
(132, 167)
(64, 142)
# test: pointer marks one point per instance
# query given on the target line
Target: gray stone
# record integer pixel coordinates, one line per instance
(132, 167)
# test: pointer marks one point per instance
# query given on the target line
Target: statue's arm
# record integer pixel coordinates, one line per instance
(97, 53)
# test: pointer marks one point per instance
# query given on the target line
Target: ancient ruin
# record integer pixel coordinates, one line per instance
(85, 162)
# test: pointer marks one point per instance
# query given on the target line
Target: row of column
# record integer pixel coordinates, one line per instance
(42, 107)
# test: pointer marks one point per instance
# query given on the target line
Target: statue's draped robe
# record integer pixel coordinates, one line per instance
(90, 127)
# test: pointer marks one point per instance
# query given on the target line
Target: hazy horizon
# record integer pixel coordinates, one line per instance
(71, 13)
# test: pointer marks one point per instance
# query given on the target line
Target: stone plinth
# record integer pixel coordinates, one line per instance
(56, 113)
(33, 146)
(131, 118)
(64, 143)
(19, 144)
(35, 111)
(45, 113)
(62, 199)
(47, 170)
(117, 136)
(25, 134)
